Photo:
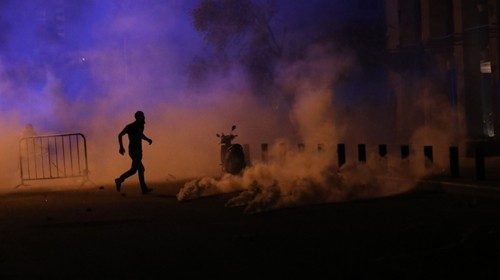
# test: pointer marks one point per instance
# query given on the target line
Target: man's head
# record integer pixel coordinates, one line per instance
(139, 116)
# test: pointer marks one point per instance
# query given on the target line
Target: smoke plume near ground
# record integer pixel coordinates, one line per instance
(118, 57)
(293, 177)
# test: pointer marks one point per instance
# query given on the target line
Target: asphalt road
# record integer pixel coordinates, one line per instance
(94, 233)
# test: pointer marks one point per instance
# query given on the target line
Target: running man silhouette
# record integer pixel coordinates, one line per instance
(135, 133)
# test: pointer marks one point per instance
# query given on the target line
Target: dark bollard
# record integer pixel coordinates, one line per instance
(320, 148)
(362, 153)
(301, 147)
(480, 167)
(428, 156)
(341, 154)
(454, 164)
(382, 153)
(405, 152)
(246, 152)
(264, 149)
(382, 150)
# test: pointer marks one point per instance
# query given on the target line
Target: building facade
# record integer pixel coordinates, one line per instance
(444, 64)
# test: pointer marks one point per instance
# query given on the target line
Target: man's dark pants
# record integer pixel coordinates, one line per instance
(137, 166)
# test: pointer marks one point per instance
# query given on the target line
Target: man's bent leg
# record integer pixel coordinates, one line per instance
(128, 173)
(124, 176)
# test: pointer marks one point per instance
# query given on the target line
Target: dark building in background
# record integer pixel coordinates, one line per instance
(445, 65)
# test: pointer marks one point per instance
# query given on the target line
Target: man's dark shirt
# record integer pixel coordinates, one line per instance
(135, 132)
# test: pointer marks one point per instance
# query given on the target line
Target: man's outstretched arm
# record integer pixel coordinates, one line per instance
(120, 140)
(144, 137)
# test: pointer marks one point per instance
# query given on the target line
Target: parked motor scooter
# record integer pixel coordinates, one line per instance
(232, 155)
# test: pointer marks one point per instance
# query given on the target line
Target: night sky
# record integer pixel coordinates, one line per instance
(89, 56)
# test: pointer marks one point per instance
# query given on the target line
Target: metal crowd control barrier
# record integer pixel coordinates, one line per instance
(50, 157)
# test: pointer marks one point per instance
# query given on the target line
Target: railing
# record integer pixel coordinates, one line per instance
(50, 157)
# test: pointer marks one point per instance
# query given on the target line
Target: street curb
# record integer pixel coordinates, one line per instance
(488, 191)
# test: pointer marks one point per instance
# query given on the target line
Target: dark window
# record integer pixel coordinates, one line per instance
(410, 22)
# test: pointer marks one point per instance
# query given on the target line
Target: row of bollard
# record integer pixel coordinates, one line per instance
(479, 157)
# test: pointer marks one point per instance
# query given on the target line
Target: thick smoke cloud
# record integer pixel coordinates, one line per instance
(88, 67)
(293, 177)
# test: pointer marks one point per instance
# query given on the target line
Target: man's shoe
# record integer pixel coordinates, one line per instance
(147, 190)
(118, 184)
